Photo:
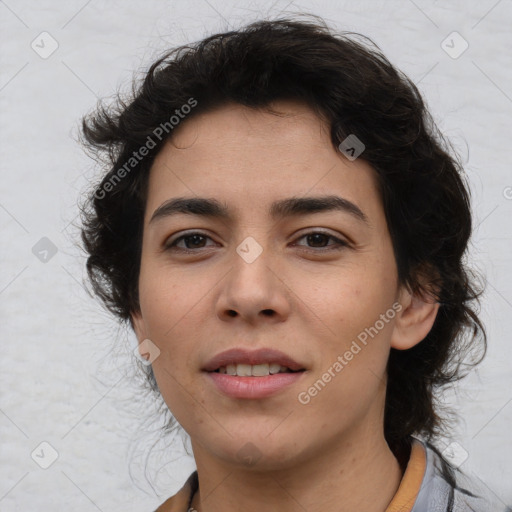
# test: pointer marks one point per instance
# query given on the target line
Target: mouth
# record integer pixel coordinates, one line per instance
(240, 373)
(252, 363)
(256, 370)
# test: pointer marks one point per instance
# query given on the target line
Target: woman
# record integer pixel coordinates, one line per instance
(284, 228)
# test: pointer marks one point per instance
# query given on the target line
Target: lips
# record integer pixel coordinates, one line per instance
(250, 374)
(240, 356)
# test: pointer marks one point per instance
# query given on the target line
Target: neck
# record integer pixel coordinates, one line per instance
(354, 474)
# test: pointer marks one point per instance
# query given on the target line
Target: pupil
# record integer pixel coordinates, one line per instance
(315, 236)
(195, 240)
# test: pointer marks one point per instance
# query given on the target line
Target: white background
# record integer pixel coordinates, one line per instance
(64, 378)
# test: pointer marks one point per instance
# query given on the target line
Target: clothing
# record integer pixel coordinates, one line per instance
(429, 484)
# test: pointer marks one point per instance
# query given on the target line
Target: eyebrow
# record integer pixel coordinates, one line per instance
(291, 207)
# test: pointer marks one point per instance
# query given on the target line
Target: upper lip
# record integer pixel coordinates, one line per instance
(252, 357)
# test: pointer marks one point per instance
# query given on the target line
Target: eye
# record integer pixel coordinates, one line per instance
(191, 240)
(318, 237)
(197, 240)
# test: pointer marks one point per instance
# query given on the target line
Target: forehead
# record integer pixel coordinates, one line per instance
(248, 158)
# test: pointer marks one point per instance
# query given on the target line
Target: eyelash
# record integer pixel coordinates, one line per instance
(340, 244)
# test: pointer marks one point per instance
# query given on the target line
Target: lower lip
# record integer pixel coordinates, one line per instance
(253, 387)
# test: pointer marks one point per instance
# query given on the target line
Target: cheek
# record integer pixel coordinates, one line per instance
(349, 310)
(169, 307)
(175, 331)
(353, 356)
(166, 297)
(348, 300)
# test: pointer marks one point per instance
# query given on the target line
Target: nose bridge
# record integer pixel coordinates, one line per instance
(251, 265)
(252, 286)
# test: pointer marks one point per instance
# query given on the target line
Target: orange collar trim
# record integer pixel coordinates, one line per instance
(409, 487)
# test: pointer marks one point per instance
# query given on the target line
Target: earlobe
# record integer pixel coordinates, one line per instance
(414, 321)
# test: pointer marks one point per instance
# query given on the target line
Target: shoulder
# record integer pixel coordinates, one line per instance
(448, 489)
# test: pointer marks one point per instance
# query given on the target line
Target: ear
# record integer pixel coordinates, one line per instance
(138, 325)
(415, 320)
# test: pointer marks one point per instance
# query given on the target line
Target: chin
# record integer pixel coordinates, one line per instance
(258, 452)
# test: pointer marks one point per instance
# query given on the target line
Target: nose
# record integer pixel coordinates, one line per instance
(254, 290)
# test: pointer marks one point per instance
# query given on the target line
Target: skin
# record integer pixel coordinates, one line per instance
(297, 296)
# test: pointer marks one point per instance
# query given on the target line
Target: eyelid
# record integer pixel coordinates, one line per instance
(339, 241)
(169, 245)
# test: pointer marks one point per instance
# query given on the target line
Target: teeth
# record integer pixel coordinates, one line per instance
(274, 368)
(243, 370)
(256, 370)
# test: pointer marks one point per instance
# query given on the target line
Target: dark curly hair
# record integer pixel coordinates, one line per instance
(353, 87)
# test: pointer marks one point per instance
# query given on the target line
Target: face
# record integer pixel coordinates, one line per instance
(308, 282)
